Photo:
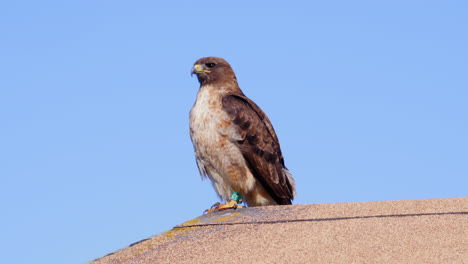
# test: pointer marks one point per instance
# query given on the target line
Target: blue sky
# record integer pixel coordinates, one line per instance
(369, 100)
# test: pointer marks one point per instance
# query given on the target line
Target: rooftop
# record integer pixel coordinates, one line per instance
(411, 231)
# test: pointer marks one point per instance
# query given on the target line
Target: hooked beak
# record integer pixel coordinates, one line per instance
(197, 68)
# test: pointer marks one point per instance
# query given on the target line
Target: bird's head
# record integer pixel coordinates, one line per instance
(213, 69)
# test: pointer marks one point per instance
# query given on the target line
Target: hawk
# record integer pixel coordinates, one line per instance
(235, 144)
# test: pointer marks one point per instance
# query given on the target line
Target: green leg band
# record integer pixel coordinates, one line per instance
(236, 197)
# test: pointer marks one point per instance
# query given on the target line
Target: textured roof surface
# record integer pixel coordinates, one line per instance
(412, 231)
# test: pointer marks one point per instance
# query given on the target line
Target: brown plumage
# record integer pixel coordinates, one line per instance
(234, 141)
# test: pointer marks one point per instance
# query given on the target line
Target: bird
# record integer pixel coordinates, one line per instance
(234, 142)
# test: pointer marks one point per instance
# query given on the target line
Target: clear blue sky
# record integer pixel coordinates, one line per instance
(369, 100)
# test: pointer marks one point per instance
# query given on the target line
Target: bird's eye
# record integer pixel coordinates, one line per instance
(210, 65)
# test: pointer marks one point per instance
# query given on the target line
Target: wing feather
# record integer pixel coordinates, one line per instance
(257, 140)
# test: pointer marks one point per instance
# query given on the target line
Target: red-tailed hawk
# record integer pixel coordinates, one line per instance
(235, 144)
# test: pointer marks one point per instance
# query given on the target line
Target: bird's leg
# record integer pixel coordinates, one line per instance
(235, 200)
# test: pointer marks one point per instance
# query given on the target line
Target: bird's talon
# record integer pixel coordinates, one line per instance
(232, 204)
(213, 208)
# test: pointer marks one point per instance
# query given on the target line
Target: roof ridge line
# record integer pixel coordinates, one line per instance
(319, 219)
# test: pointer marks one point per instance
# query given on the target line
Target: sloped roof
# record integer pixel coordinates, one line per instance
(412, 231)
